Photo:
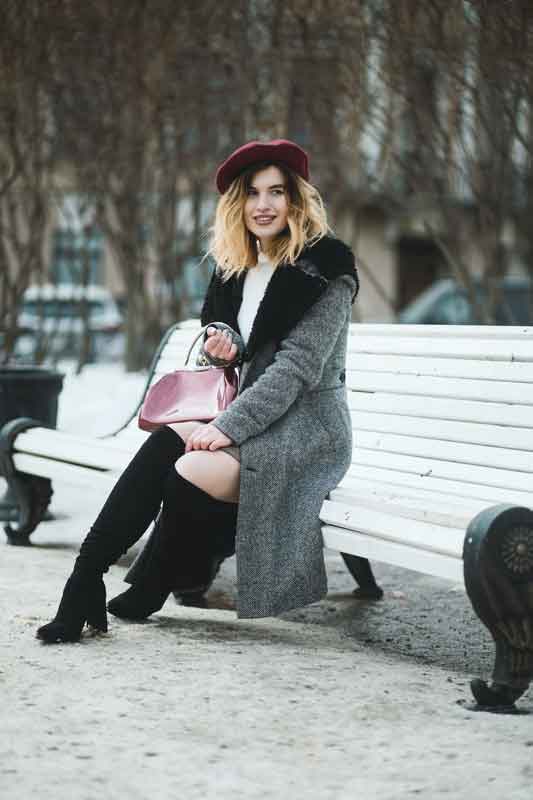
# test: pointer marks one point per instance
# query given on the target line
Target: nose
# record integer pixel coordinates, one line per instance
(263, 204)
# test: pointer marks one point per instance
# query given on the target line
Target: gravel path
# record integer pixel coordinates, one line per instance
(330, 702)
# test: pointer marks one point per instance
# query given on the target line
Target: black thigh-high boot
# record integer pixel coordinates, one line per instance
(192, 536)
(132, 504)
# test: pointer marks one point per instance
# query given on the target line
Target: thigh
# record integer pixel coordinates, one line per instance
(216, 473)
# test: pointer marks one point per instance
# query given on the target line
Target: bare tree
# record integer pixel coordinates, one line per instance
(25, 158)
(446, 75)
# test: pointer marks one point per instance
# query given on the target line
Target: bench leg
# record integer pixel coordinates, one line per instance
(32, 492)
(361, 571)
(498, 570)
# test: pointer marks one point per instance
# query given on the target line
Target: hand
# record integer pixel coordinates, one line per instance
(207, 437)
(220, 345)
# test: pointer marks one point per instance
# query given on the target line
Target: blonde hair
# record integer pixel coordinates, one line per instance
(234, 248)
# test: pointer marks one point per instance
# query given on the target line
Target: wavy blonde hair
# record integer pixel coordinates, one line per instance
(234, 248)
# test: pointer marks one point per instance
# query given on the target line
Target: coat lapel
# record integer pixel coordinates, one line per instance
(289, 293)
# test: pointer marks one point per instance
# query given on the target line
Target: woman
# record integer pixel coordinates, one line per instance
(255, 478)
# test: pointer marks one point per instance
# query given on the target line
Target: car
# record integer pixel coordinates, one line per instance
(51, 318)
(445, 302)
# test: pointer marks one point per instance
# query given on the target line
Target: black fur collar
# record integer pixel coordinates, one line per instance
(292, 289)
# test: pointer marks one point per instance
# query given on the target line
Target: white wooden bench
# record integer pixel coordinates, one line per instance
(441, 479)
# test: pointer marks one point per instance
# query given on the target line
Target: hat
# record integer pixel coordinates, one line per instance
(282, 150)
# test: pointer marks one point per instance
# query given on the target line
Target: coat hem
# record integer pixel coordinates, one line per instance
(278, 610)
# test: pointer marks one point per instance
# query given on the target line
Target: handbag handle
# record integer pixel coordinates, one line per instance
(202, 332)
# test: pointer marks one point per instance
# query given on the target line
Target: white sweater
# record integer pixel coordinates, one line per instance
(255, 284)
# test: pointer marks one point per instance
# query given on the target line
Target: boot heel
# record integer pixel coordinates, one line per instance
(97, 613)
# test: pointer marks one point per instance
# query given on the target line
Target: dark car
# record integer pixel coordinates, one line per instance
(445, 302)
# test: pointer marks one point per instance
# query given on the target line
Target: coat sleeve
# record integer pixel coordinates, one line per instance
(297, 366)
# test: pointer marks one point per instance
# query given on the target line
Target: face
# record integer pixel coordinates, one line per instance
(266, 207)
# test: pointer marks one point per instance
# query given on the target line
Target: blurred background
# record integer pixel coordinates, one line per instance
(114, 115)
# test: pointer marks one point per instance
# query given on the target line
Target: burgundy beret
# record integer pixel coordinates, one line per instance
(282, 150)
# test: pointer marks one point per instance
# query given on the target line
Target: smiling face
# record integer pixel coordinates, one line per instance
(266, 207)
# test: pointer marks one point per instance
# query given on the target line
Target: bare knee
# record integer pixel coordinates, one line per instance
(216, 473)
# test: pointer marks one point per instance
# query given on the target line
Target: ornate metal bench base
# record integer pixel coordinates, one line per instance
(32, 492)
(498, 571)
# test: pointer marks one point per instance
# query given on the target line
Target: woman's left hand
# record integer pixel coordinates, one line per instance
(207, 437)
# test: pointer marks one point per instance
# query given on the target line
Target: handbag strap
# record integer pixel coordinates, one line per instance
(202, 331)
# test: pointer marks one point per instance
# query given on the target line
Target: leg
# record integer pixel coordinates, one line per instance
(360, 569)
(133, 503)
(193, 535)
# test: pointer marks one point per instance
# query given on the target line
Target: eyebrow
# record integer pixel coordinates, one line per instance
(274, 186)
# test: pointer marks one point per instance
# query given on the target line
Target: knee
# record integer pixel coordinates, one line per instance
(185, 466)
(206, 472)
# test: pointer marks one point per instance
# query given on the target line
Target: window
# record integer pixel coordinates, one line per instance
(75, 251)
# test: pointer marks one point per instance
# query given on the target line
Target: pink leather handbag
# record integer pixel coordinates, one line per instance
(189, 394)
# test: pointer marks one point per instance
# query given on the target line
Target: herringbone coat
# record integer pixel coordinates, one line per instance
(291, 421)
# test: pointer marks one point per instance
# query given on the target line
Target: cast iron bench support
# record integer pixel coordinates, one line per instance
(498, 570)
(32, 492)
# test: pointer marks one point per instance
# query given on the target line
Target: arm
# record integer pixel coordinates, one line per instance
(298, 365)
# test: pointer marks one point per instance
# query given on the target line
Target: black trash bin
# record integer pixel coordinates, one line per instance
(27, 392)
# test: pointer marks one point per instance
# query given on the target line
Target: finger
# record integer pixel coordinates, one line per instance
(212, 343)
(227, 346)
(211, 331)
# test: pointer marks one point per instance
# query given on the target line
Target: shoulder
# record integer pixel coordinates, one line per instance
(329, 258)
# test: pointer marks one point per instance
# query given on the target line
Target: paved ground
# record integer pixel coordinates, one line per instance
(339, 700)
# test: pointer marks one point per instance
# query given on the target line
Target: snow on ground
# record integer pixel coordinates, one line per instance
(98, 400)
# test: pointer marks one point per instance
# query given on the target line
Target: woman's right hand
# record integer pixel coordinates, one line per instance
(220, 344)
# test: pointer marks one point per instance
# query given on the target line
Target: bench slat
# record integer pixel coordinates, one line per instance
(455, 490)
(506, 350)
(441, 367)
(388, 330)
(448, 430)
(455, 471)
(437, 408)
(469, 455)
(91, 453)
(426, 506)
(69, 473)
(400, 555)
(46, 437)
(421, 535)
(426, 386)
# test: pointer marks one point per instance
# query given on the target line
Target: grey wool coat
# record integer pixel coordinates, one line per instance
(291, 421)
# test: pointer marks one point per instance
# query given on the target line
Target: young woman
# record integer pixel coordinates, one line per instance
(252, 481)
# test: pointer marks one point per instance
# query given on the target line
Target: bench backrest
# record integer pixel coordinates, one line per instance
(449, 408)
